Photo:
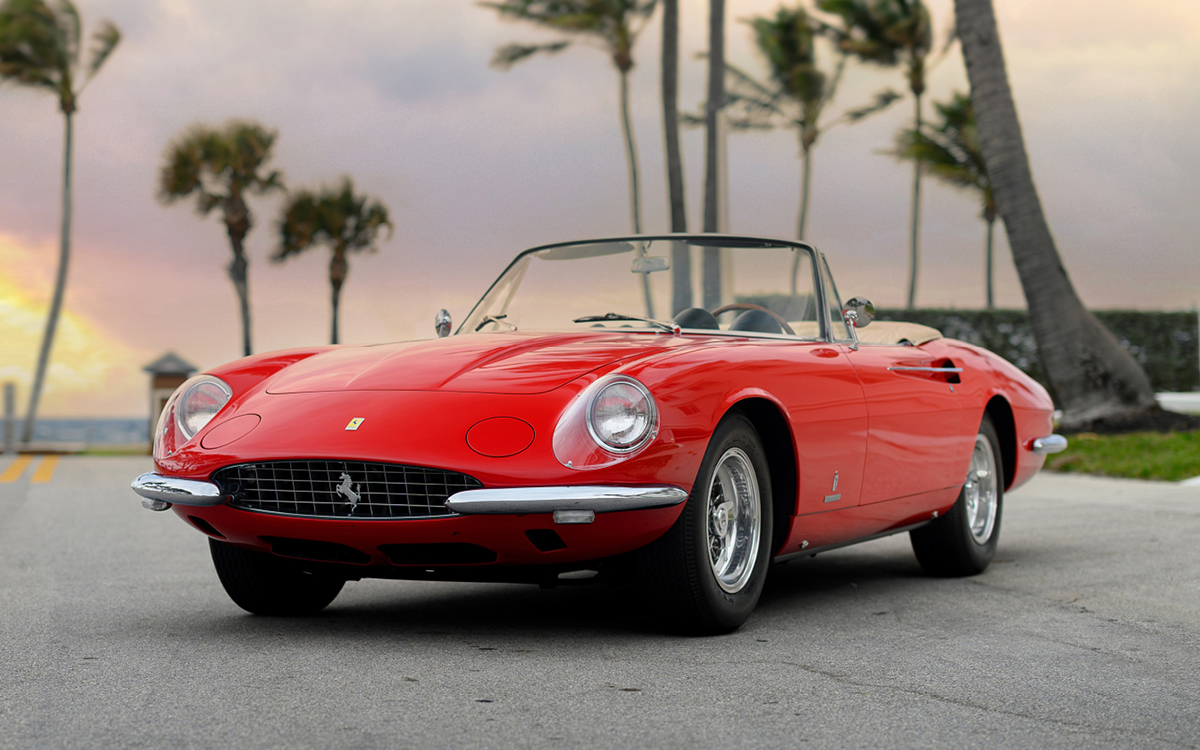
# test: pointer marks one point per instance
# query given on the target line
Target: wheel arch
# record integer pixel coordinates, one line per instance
(780, 449)
(1001, 413)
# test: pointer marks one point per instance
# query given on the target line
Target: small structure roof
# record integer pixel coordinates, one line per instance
(170, 364)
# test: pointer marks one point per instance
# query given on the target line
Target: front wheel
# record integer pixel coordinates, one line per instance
(963, 542)
(266, 585)
(704, 576)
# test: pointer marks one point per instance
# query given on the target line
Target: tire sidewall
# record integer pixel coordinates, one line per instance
(727, 609)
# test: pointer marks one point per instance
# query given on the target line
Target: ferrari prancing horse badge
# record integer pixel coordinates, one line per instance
(354, 423)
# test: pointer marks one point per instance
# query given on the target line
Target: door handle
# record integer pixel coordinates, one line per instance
(926, 369)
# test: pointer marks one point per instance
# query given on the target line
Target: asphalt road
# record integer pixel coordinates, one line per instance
(1084, 633)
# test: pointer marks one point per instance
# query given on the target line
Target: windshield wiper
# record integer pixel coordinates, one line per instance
(495, 319)
(671, 327)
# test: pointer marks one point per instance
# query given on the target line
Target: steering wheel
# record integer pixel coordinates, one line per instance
(747, 306)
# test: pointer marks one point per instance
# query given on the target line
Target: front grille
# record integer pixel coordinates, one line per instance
(342, 489)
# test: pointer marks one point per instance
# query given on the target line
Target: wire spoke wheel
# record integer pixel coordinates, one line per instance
(705, 574)
(734, 520)
(962, 541)
(979, 492)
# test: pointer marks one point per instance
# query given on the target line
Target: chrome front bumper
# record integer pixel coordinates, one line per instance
(159, 492)
(599, 499)
(1048, 444)
(578, 504)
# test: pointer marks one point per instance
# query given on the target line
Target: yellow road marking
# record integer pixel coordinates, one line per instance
(15, 469)
(45, 470)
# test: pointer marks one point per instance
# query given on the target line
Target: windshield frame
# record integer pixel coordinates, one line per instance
(699, 240)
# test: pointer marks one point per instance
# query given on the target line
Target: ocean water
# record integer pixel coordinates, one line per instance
(91, 432)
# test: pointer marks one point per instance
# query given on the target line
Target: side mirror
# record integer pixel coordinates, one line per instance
(441, 324)
(858, 312)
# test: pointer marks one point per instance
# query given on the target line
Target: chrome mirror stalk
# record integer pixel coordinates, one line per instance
(851, 318)
(441, 323)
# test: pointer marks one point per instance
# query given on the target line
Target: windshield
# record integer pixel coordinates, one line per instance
(757, 287)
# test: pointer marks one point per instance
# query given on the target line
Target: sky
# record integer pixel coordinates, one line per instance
(476, 163)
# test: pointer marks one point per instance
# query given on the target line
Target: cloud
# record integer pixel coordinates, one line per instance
(90, 371)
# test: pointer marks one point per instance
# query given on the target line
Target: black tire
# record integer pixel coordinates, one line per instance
(263, 584)
(950, 546)
(676, 574)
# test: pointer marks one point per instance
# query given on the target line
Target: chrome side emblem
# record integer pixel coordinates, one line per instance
(344, 489)
(354, 423)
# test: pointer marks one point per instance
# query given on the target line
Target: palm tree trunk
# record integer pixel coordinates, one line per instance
(237, 226)
(239, 271)
(635, 201)
(716, 101)
(681, 259)
(1092, 376)
(338, 268)
(991, 298)
(805, 181)
(60, 286)
(915, 222)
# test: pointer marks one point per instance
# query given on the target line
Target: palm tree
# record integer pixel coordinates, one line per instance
(40, 47)
(888, 32)
(950, 151)
(337, 219)
(223, 166)
(615, 24)
(681, 260)
(1093, 377)
(711, 256)
(798, 90)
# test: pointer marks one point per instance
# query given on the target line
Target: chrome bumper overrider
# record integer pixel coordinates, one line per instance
(1049, 444)
(162, 492)
(564, 500)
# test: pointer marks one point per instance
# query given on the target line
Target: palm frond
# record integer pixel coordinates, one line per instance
(31, 51)
(882, 101)
(218, 163)
(612, 24)
(334, 217)
(511, 54)
(104, 41)
(949, 149)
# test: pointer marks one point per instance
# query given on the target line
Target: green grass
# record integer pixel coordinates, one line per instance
(1171, 456)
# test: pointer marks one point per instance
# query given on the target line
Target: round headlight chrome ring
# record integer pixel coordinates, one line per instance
(217, 390)
(651, 415)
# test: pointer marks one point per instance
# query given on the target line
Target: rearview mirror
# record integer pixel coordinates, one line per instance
(650, 264)
(858, 312)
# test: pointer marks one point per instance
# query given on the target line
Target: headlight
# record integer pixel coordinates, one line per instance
(200, 403)
(190, 408)
(621, 416)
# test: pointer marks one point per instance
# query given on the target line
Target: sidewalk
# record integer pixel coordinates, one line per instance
(1186, 403)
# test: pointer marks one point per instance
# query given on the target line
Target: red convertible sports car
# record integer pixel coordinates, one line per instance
(572, 428)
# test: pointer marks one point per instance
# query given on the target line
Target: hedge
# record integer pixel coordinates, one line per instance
(1164, 343)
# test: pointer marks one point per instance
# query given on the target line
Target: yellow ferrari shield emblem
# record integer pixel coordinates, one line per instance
(354, 423)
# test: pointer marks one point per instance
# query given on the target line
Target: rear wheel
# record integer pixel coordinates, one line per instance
(963, 542)
(704, 576)
(266, 585)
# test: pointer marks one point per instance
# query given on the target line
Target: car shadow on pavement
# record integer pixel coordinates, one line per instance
(828, 585)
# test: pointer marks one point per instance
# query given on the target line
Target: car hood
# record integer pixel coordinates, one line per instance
(504, 363)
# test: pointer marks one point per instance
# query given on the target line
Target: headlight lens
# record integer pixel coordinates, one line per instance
(622, 416)
(200, 403)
